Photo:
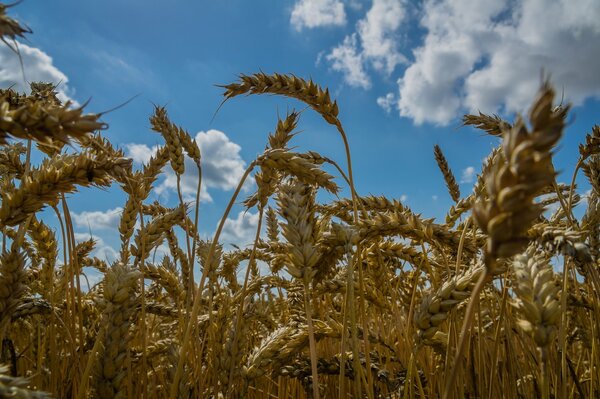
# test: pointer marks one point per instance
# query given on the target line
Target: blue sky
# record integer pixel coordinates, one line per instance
(403, 72)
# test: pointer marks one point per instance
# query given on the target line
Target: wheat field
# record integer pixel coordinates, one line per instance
(361, 298)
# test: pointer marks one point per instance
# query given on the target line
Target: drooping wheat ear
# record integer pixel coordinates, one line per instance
(12, 387)
(119, 293)
(281, 345)
(492, 124)
(12, 283)
(44, 123)
(436, 305)
(410, 225)
(290, 86)
(518, 178)
(155, 209)
(392, 249)
(57, 175)
(338, 284)
(160, 123)
(152, 233)
(100, 147)
(447, 173)
(165, 278)
(294, 165)
(30, 307)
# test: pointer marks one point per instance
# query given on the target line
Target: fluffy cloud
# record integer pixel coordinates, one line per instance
(38, 67)
(486, 56)
(98, 220)
(387, 102)
(346, 59)
(375, 43)
(378, 34)
(468, 175)
(241, 230)
(317, 13)
(222, 165)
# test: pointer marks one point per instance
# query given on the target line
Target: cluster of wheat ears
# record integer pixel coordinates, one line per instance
(362, 298)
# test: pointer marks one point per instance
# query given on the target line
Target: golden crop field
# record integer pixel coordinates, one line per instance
(363, 297)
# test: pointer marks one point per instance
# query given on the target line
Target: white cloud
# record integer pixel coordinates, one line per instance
(140, 153)
(378, 34)
(222, 165)
(241, 230)
(38, 67)
(374, 43)
(468, 175)
(403, 198)
(484, 56)
(96, 220)
(387, 102)
(355, 4)
(317, 13)
(345, 58)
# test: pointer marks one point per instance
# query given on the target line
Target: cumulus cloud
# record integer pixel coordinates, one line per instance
(140, 153)
(468, 175)
(241, 230)
(375, 44)
(38, 67)
(98, 220)
(387, 102)
(486, 56)
(222, 165)
(378, 34)
(317, 13)
(347, 59)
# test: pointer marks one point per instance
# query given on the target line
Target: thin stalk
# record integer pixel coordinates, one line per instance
(562, 331)
(195, 240)
(350, 277)
(465, 327)
(81, 392)
(240, 312)
(143, 307)
(196, 305)
(187, 236)
(544, 374)
(311, 341)
(496, 341)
